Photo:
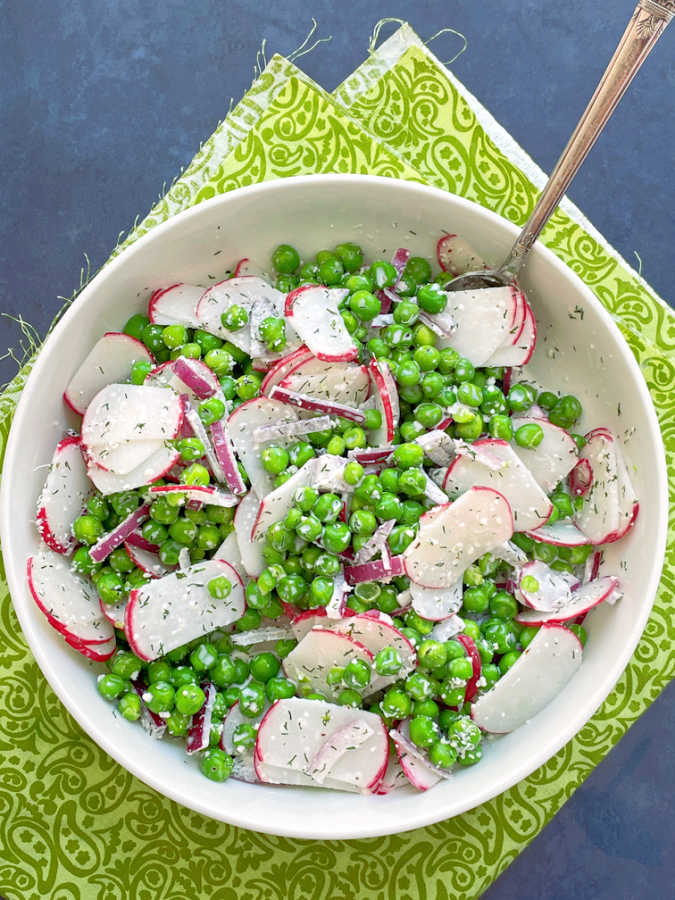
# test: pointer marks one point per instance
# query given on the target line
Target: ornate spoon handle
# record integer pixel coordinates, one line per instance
(644, 29)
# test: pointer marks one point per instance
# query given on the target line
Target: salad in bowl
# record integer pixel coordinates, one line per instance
(322, 523)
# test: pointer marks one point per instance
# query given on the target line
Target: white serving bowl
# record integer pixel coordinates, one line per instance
(586, 357)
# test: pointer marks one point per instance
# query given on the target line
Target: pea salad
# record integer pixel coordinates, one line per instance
(323, 527)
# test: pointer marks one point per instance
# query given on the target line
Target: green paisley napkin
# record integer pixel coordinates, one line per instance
(76, 825)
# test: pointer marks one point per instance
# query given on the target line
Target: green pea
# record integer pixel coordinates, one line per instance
(111, 686)
(383, 274)
(291, 588)
(428, 414)
(135, 325)
(432, 385)
(423, 731)
(189, 699)
(529, 436)
(563, 503)
(427, 357)
(191, 350)
(396, 704)
(219, 361)
(521, 397)
(388, 661)
(406, 313)
(364, 305)
(284, 646)
(566, 411)
(508, 659)
(357, 674)
(418, 268)
(87, 529)
(469, 394)
(273, 332)
(547, 400)
(159, 697)
(442, 754)
(286, 283)
(432, 654)
(501, 427)
(190, 449)
(327, 507)
(470, 431)
(300, 453)
(275, 459)
(216, 765)
(120, 561)
(432, 299)
(545, 552)
(448, 359)
(336, 537)
(285, 259)
(110, 587)
(411, 512)
(476, 599)
(350, 255)
(247, 386)
(525, 543)
(387, 507)
(503, 605)
(264, 666)
(580, 632)
(353, 473)
(327, 564)
(497, 633)
(413, 482)
(174, 336)
(129, 706)
(407, 456)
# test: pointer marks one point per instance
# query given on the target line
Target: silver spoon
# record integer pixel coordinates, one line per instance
(644, 29)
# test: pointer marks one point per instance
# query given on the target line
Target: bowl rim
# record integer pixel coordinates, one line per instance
(426, 814)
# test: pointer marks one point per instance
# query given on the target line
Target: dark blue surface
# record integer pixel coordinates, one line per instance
(101, 103)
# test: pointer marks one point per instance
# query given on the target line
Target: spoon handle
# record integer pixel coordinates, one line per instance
(644, 29)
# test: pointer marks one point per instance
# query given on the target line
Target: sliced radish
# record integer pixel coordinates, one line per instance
(552, 459)
(561, 534)
(375, 542)
(536, 677)
(244, 769)
(229, 551)
(494, 463)
(400, 259)
(317, 404)
(344, 383)
(114, 613)
(284, 366)
(548, 590)
(242, 424)
(453, 536)
(628, 501)
(224, 452)
(335, 607)
(250, 551)
(327, 474)
(130, 412)
(69, 602)
(156, 466)
(376, 570)
(375, 633)
(385, 393)
(244, 291)
(109, 360)
(199, 732)
(347, 738)
(520, 352)
(147, 561)
(482, 320)
(599, 516)
(95, 652)
(262, 635)
(197, 377)
(394, 776)
(153, 723)
(445, 630)
(294, 731)
(581, 601)
(177, 608)
(473, 654)
(436, 604)
(509, 553)
(275, 505)
(105, 545)
(122, 458)
(64, 495)
(457, 256)
(198, 381)
(290, 430)
(175, 305)
(581, 478)
(203, 493)
(136, 539)
(303, 623)
(433, 492)
(313, 312)
(198, 429)
(414, 762)
(317, 653)
(438, 446)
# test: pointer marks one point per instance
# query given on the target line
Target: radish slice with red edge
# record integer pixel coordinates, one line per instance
(385, 393)
(552, 459)
(131, 412)
(175, 305)
(203, 493)
(114, 613)
(346, 383)
(250, 552)
(457, 256)
(399, 260)
(336, 605)
(136, 539)
(242, 424)
(148, 562)
(109, 360)
(482, 320)
(494, 464)
(542, 588)
(288, 430)
(520, 352)
(274, 506)
(199, 732)
(244, 291)
(375, 542)
(415, 763)
(105, 545)
(317, 404)
(394, 777)
(294, 730)
(533, 681)
(283, 367)
(314, 314)
(177, 608)
(473, 654)
(376, 570)
(69, 602)
(599, 516)
(64, 495)
(453, 536)
(317, 653)
(581, 601)
(561, 534)
(156, 466)
(346, 738)
(447, 629)
(191, 372)
(581, 478)
(224, 451)
(120, 459)
(94, 652)
(198, 429)
(154, 724)
(436, 604)
(375, 632)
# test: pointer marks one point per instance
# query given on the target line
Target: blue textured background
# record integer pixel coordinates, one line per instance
(101, 103)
